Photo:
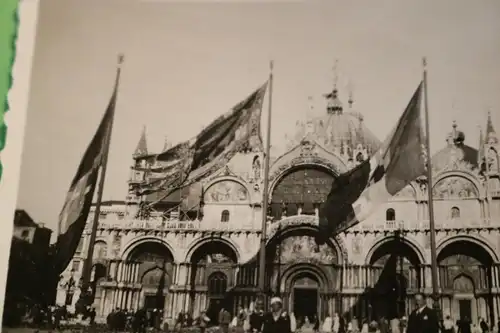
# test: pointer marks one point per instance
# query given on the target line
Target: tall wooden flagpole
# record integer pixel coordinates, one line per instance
(87, 266)
(432, 228)
(265, 196)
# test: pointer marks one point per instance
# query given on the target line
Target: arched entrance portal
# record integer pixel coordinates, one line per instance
(155, 267)
(305, 296)
(212, 263)
(397, 272)
(466, 268)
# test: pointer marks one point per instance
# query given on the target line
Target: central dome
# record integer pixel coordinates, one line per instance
(339, 131)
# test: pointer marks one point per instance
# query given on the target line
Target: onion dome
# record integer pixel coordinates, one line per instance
(456, 153)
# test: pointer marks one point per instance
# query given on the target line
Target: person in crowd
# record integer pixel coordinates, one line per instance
(315, 321)
(257, 317)
(383, 325)
(203, 321)
(355, 324)
(338, 324)
(483, 325)
(224, 320)
(464, 325)
(277, 320)
(448, 326)
(365, 327)
(403, 323)
(293, 322)
(423, 319)
(327, 324)
(181, 318)
(188, 319)
(395, 325)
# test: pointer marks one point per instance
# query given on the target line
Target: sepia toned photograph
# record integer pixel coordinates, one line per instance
(260, 167)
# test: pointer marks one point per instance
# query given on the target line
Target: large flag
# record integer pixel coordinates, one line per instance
(357, 193)
(190, 161)
(74, 213)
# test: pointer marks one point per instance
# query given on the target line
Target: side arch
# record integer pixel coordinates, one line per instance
(130, 246)
(195, 245)
(234, 179)
(460, 174)
(476, 239)
(382, 240)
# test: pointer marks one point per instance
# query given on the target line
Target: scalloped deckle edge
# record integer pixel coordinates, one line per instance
(9, 21)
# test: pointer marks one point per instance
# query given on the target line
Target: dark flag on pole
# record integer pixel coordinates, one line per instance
(357, 193)
(188, 162)
(73, 216)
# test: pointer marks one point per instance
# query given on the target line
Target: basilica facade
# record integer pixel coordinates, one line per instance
(199, 246)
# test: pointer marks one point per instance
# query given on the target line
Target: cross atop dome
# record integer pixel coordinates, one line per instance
(334, 105)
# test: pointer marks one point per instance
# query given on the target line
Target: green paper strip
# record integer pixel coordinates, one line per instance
(8, 36)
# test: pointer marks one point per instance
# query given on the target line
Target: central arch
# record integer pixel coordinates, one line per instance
(300, 189)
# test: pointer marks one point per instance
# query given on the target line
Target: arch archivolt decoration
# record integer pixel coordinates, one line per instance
(407, 240)
(292, 273)
(134, 243)
(465, 176)
(476, 239)
(196, 244)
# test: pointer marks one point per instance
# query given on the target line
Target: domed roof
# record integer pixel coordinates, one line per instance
(336, 130)
(456, 153)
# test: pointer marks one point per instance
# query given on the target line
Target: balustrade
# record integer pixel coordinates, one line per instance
(207, 224)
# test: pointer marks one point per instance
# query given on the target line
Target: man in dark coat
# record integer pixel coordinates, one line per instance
(423, 319)
(257, 317)
(276, 321)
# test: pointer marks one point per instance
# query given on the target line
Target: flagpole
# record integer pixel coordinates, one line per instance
(432, 228)
(87, 266)
(265, 196)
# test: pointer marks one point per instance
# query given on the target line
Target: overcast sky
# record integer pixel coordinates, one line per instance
(185, 64)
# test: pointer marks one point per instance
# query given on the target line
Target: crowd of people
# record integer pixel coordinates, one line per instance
(256, 320)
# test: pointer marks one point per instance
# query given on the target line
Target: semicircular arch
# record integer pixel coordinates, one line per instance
(464, 181)
(136, 242)
(477, 240)
(233, 184)
(277, 175)
(294, 272)
(383, 241)
(199, 243)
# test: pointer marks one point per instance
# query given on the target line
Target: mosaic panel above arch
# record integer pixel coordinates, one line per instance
(226, 191)
(455, 187)
(303, 248)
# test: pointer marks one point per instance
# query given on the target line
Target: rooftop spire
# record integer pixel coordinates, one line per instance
(480, 155)
(350, 101)
(142, 146)
(491, 135)
(166, 144)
